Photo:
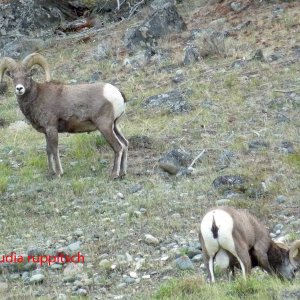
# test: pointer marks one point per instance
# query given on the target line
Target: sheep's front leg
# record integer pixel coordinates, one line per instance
(54, 163)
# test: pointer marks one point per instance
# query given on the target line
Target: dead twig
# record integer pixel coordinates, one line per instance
(197, 157)
(286, 91)
(134, 8)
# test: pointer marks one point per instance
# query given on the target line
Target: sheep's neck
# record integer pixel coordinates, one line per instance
(28, 105)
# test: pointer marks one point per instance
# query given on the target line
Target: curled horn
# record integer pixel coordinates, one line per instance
(37, 59)
(6, 63)
(295, 253)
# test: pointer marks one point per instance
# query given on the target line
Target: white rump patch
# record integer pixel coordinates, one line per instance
(224, 240)
(113, 95)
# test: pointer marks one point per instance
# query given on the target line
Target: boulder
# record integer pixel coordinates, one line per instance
(161, 23)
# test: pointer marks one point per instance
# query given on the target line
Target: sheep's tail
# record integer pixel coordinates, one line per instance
(124, 97)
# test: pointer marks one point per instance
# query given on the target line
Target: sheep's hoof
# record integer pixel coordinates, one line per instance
(122, 176)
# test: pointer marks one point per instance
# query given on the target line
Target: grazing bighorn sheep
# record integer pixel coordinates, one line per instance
(52, 107)
(228, 234)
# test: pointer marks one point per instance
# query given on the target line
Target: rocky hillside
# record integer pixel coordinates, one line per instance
(212, 119)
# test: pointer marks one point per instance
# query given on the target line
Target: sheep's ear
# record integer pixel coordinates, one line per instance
(32, 72)
(8, 73)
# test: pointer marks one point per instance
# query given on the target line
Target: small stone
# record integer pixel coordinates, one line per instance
(37, 278)
(120, 195)
(258, 145)
(81, 292)
(197, 258)
(278, 227)
(151, 240)
(281, 199)
(133, 275)
(105, 265)
(191, 252)
(73, 269)
(74, 247)
(62, 297)
(184, 263)
(78, 232)
(56, 267)
(129, 280)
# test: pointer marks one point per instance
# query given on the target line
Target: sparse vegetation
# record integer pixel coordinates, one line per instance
(231, 107)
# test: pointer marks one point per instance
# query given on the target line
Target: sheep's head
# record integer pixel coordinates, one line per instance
(290, 260)
(21, 73)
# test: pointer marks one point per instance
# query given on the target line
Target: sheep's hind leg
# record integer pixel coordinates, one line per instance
(243, 258)
(123, 167)
(107, 131)
(54, 162)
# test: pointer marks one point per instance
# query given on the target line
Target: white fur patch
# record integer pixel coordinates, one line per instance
(113, 95)
(20, 90)
(225, 224)
(222, 259)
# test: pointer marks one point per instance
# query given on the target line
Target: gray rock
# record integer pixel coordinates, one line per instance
(184, 263)
(191, 252)
(24, 17)
(35, 251)
(258, 145)
(173, 101)
(258, 55)
(22, 47)
(173, 161)
(37, 278)
(278, 227)
(162, 22)
(74, 247)
(62, 297)
(231, 183)
(56, 267)
(292, 294)
(25, 277)
(236, 6)
(191, 55)
(197, 258)
(82, 292)
(14, 277)
(137, 142)
(136, 61)
(129, 280)
(281, 199)
(286, 147)
(151, 240)
(239, 63)
(158, 4)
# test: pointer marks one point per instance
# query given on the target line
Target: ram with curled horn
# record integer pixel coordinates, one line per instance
(52, 107)
(235, 238)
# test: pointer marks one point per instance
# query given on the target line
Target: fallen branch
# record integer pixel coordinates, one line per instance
(197, 157)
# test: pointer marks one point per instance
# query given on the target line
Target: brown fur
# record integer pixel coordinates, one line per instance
(253, 245)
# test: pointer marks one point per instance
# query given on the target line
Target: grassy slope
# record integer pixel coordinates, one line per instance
(240, 113)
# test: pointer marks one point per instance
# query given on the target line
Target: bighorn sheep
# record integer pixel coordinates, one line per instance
(228, 235)
(52, 107)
